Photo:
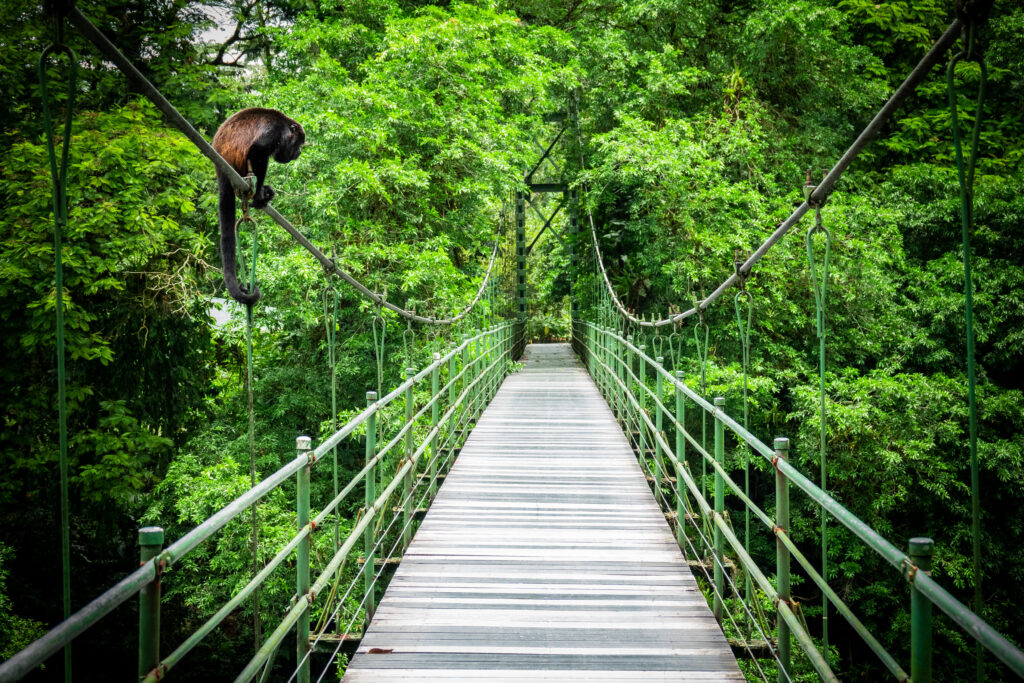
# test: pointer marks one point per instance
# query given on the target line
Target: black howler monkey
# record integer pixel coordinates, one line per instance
(247, 140)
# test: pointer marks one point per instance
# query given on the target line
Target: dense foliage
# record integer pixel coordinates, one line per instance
(697, 122)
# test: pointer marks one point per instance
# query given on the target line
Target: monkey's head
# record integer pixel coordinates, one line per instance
(291, 143)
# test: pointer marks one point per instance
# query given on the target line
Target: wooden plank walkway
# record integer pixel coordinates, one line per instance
(544, 556)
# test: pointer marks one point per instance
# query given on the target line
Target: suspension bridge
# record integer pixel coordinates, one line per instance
(538, 513)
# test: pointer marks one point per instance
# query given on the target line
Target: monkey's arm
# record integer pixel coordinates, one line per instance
(263, 193)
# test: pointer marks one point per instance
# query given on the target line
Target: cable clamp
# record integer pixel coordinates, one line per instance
(910, 570)
(810, 188)
(741, 277)
(312, 525)
(776, 529)
(793, 604)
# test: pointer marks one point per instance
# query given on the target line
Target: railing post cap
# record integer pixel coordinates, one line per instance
(781, 443)
(719, 401)
(151, 536)
(659, 359)
(371, 396)
(437, 356)
(303, 443)
(410, 372)
(678, 374)
(921, 546)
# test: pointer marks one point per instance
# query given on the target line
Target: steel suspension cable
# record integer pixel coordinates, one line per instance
(110, 51)
(59, 195)
(824, 189)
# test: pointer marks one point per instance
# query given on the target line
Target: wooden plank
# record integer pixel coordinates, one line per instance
(544, 556)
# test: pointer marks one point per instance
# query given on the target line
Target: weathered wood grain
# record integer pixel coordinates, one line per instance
(544, 556)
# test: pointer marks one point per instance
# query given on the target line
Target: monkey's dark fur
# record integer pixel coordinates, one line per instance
(247, 140)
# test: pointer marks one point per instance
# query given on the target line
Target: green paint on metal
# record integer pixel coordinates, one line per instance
(59, 196)
(254, 528)
(965, 178)
(744, 335)
(819, 285)
(920, 552)
(782, 578)
(371, 495)
(407, 487)
(302, 447)
(680, 451)
(719, 512)
(434, 408)
(151, 542)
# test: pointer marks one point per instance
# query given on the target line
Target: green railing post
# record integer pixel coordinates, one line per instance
(449, 427)
(467, 374)
(782, 555)
(622, 358)
(435, 383)
(303, 444)
(411, 474)
(151, 542)
(614, 373)
(719, 508)
(371, 496)
(659, 467)
(920, 612)
(681, 459)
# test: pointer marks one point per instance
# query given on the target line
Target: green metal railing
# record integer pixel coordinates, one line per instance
(473, 371)
(621, 369)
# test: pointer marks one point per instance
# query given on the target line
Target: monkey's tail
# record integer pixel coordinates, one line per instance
(227, 246)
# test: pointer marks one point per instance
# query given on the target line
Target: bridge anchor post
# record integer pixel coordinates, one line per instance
(782, 555)
(920, 613)
(151, 542)
(303, 444)
(719, 510)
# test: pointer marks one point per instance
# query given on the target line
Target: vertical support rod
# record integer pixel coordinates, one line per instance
(681, 458)
(719, 508)
(627, 376)
(303, 445)
(151, 542)
(659, 422)
(520, 273)
(435, 383)
(411, 474)
(782, 555)
(641, 397)
(371, 497)
(920, 613)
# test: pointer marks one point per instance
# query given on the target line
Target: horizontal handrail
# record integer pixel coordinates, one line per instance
(37, 652)
(303, 604)
(817, 661)
(973, 624)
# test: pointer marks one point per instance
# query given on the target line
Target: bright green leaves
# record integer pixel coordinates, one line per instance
(121, 455)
